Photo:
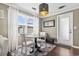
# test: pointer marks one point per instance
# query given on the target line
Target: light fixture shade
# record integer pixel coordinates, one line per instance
(43, 9)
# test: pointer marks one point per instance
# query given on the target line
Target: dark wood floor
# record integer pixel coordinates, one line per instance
(63, 51)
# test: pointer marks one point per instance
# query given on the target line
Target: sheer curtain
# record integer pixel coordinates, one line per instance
(12, 28)
(36, 26)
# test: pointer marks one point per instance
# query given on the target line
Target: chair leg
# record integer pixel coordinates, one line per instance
(22, 49)
(26, 50)
(45, 44)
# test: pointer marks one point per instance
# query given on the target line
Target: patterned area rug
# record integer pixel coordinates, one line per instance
(20, 52)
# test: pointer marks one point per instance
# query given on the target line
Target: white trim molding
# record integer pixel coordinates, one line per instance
(75, 47)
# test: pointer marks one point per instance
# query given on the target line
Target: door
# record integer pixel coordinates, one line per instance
(65, 29)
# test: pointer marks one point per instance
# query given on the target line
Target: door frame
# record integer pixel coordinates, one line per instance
(71, 24)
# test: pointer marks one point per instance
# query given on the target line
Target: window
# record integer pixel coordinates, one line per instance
(21, 23)
(21, 29)
(25, 24)
(30, 21)
(21, 20)
(30, 26)
(29, 30)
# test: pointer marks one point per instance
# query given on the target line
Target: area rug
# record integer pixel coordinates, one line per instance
(43, 53)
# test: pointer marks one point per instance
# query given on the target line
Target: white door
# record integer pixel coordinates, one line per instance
(65, 29)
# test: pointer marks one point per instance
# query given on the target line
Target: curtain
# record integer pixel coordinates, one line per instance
(12, 28)
(36, 26)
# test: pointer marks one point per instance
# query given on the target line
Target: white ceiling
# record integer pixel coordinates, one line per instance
(53, 7)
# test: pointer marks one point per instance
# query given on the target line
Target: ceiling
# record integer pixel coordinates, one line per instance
(53, 7)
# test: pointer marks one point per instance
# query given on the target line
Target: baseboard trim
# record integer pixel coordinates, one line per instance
(71, 46)
(75, 47)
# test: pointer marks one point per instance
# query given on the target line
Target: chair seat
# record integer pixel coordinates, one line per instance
(40, 40)
(28, 43)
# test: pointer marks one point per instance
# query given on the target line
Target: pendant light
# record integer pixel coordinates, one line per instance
(43, 9)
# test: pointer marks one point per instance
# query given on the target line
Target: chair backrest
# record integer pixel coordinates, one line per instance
(42, 33)
(21, 39)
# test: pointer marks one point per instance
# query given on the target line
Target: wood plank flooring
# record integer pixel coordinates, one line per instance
(64, 51)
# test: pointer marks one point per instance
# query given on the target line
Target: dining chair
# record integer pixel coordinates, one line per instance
(27, 43)
(42, 40)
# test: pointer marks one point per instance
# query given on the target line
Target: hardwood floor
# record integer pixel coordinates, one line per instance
(64, 51)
